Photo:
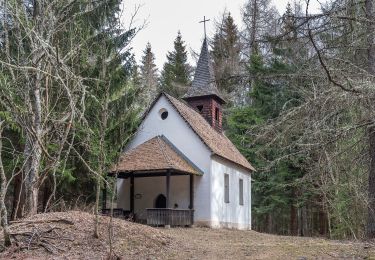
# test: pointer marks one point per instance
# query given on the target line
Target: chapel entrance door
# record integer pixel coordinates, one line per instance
(160, 202)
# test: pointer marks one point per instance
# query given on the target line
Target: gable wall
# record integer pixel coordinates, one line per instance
(232, 214)
(177, 131)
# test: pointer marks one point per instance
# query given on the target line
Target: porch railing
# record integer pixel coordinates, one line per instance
(172, 217)
(119, 213)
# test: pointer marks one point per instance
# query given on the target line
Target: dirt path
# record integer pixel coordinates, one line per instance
(203, 243)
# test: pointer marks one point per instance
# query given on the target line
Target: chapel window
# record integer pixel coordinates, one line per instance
(163, 113)
(226, 188)
(240, 191)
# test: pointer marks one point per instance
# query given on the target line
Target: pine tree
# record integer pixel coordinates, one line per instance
(110, 108)
(136, 77)
(227, 55)
(175, 76)
(273, 205)
(149, 77)
(289, 29)
(57, 102)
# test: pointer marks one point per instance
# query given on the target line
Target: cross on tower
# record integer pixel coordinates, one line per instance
(204, 22)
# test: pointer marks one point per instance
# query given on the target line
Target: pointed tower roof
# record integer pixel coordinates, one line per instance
(204, 83)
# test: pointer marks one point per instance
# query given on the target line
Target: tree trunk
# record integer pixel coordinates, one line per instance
(46, 194)
(33, 150)
(269, 224)
(370, 15)
(33, 147)
(371, 186)
(103, 127)
(31, 177)
(18, 196)
(253, 44)
(301, 222)
(322, 223)
(3, 190)
(293, 220)
(305, 225)
(97, 197)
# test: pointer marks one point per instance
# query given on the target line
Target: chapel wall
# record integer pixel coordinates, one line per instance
(232, 214)
(176, 130)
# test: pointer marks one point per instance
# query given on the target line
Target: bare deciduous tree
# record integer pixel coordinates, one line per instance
(3, 190)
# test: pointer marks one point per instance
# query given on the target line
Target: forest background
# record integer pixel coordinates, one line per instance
(299, 89)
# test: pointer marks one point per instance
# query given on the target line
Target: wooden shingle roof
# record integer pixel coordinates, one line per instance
(217, 142)
(156, 154)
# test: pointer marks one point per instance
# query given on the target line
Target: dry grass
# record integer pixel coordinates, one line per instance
(134, 241)
(203, 243)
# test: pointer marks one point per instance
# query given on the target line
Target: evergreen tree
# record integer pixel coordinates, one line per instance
(276, 187)
(82, 111)
(110, 114)
(288, 28)
(136, 77)
(149, 77)
(175, 77)
(226, 54)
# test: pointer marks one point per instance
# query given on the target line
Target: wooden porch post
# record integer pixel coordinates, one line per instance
(132, 194)
(168, 182)
(191, 205)
(168, 188)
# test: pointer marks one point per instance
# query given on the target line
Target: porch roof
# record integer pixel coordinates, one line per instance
(155, 157)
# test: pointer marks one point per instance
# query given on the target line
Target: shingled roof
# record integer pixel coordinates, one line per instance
(204, 83)
(217, 142)
(156, 154)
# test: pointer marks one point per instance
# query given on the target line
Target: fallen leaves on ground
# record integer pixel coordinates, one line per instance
(69, 235)
(76, 240)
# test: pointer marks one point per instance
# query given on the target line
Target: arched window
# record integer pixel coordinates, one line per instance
(216, 114)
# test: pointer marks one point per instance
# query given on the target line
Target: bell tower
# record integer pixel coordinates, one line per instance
(203, 95)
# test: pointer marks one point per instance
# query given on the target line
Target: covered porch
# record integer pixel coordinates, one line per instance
(155, 185)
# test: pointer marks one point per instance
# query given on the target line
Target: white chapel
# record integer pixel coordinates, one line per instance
(180, 169)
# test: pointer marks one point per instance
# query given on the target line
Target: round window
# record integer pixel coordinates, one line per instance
(163, 113)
